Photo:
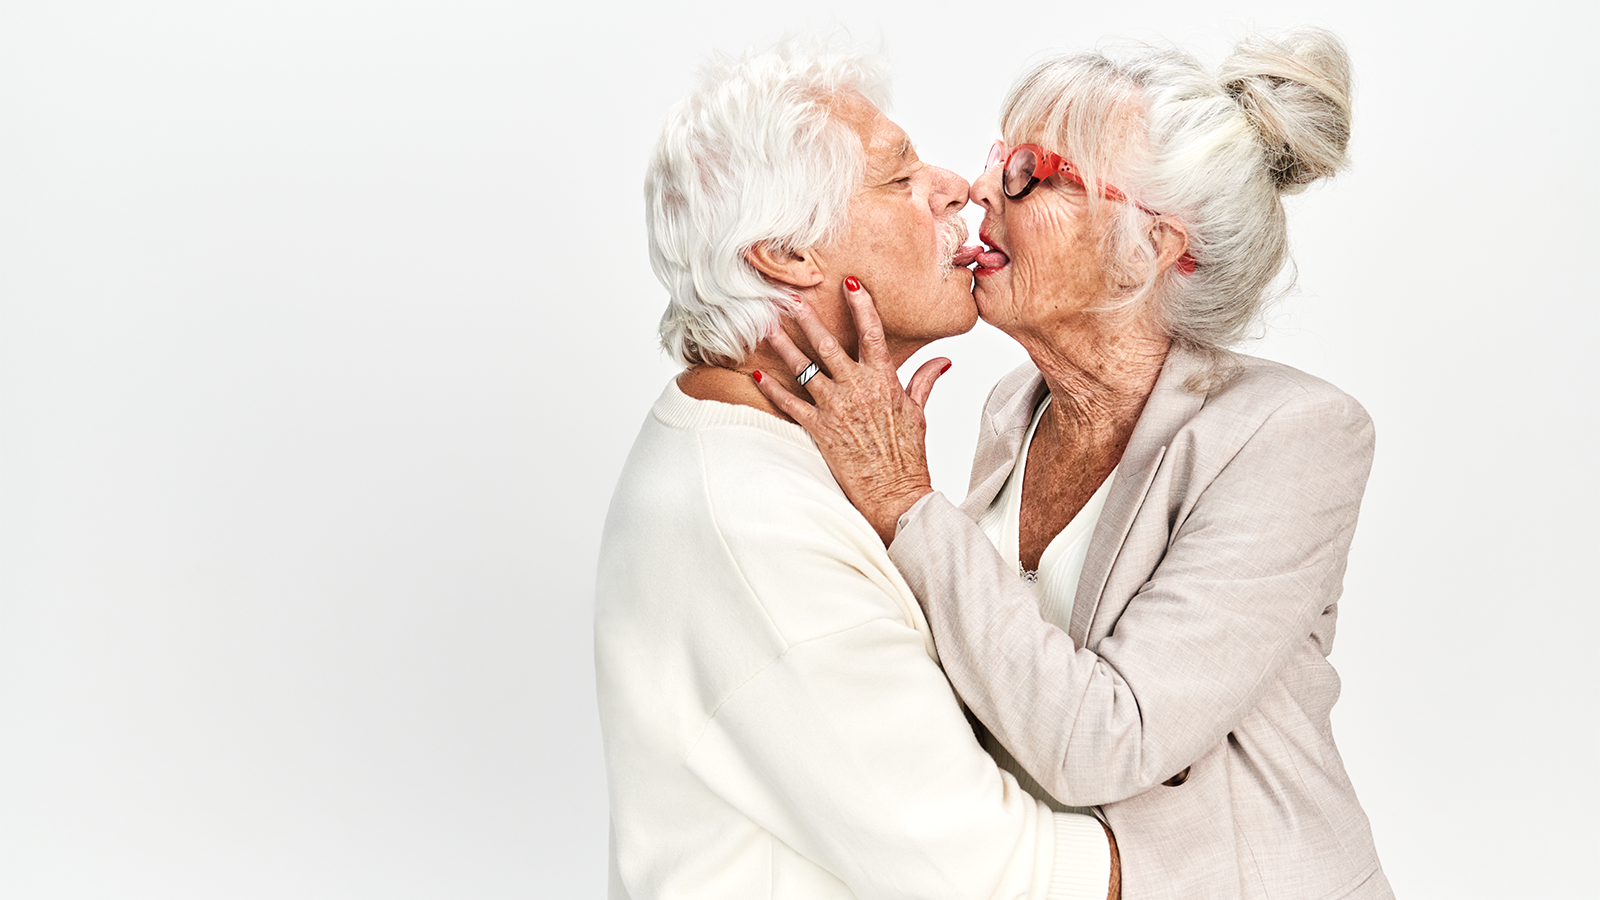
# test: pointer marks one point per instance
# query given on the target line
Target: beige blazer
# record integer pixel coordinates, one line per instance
(1189, 698)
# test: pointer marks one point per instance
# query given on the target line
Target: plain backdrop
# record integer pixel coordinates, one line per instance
(327, 326)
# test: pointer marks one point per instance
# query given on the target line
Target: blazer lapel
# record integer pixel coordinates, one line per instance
(1169, 407)
(1000, 437)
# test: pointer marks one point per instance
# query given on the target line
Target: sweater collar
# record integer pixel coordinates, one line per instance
(675, 409)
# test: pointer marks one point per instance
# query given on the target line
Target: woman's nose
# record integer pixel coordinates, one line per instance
(986, 188)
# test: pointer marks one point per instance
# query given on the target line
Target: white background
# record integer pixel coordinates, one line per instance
(327, 326)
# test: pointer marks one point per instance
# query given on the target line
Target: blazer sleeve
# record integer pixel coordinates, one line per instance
(1248, 570)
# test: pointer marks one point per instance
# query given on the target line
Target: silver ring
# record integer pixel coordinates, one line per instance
(809, 373)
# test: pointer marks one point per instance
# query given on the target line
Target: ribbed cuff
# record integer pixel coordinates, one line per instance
(1082, 867)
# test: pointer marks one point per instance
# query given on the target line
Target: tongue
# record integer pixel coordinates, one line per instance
(991, 259)
(965, 256)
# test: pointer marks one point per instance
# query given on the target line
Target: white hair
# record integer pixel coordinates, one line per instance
(1215, 152)
(752, 157)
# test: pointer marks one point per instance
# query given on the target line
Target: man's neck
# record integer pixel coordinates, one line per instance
(732, 385)
(736, 384)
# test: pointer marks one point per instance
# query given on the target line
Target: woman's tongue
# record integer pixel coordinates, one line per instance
(991, 259)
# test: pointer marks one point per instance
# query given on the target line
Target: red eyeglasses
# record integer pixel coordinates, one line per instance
(1028, 164)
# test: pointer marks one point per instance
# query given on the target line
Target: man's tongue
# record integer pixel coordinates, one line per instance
(989, 259)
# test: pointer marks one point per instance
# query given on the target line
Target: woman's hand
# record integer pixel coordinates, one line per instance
(870, 430)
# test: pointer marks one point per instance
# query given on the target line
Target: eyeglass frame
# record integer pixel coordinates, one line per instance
(1051, 163)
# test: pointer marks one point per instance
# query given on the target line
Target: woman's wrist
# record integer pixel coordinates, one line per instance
(886, 513)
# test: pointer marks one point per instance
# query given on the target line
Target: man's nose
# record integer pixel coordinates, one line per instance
(949, 193)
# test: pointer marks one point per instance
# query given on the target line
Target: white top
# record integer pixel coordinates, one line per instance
(1054, 583)
(774, 719)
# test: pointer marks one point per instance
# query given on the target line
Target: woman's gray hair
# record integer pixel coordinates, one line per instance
(752, 157)
(1215, 152)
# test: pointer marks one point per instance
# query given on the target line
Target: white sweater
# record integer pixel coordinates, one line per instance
(776, 724)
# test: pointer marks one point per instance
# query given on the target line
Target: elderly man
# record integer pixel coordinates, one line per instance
(776, 723)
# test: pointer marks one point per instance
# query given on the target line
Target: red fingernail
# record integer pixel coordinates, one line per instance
(851, 284)
(946, 368)
(757, 375)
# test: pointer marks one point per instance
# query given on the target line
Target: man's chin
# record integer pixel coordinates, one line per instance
(955, 323)
(970, 323)
(969, 305)
(904, 347)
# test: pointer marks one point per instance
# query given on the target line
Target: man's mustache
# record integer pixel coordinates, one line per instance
(954, 231)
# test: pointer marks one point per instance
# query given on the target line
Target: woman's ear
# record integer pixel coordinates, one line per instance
(1171, 241)
(791, 268)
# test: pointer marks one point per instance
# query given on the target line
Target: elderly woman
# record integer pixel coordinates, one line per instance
(1138, 596)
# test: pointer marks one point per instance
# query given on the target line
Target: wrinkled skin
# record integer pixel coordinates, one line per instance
(870, 429)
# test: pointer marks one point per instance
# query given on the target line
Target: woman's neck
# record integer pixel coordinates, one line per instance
(1099, 379)
(1100, 372)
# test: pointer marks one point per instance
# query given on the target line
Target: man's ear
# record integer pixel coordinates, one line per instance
(790, 268)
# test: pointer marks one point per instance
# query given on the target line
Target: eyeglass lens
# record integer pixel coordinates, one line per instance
(1018, 174)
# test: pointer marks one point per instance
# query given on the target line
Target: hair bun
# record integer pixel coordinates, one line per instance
(1296, 89)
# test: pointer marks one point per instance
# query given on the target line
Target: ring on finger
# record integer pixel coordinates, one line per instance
(808, 373)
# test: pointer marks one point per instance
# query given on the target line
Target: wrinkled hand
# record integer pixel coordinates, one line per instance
(870, 429)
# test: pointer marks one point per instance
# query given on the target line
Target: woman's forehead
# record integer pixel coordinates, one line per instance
(1070, 123)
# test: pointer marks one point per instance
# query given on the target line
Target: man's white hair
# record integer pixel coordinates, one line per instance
(752, 157)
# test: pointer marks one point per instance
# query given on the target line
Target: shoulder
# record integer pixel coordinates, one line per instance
(730, 482)
(697, 464)
(1264, 384)
(1262, 395)
(807, 554)
(1268, 415)
(1272, 450)
(730, 512)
